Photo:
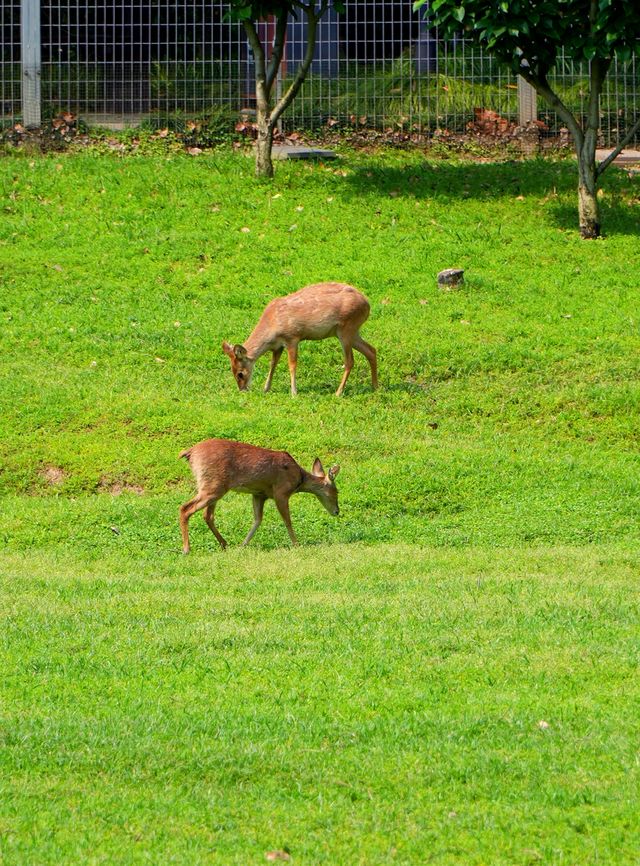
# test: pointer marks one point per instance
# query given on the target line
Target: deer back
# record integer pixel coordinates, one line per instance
(220, 465)
(312, 313)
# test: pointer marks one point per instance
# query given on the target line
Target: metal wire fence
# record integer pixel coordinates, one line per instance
(379, 65)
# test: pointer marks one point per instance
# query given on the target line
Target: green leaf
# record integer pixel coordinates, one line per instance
(625, 53)
(459, 13)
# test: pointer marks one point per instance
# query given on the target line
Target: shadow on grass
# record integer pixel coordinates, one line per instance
(491, 181)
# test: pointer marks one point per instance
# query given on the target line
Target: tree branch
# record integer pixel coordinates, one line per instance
(263, 92)
(278, 49)
(545, 90)
(618, 148)
(292, 90)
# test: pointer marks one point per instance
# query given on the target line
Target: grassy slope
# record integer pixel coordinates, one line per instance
(344, 699)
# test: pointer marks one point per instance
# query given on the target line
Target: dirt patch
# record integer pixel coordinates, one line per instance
(53, 475)
(116, 488)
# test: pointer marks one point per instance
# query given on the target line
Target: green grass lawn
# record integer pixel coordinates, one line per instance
(376, 695)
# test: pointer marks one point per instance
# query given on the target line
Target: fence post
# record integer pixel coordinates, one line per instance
(30, 61)
(527, 102)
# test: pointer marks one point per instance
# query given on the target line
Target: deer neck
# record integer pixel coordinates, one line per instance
(258, 342)
(308, 483)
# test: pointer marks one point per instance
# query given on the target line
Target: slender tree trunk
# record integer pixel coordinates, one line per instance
(588, 189)
(585, 139)
(266, 74)
(264, 84)
(588, 210)
(264, 146)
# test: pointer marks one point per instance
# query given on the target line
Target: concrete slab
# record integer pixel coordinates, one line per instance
(114, 122)
(296, 151)
(627, 157)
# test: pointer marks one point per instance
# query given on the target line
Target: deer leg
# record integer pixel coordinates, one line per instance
(258, 509)
(208, 516)
(186, 511)
(371, 355)
(274, 361)
(282, 504)
(292, 356)
(348, 363)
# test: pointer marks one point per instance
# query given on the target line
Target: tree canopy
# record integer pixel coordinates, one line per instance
(537, 30)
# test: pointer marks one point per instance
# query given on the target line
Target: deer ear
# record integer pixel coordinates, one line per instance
(239, 351)
(226, 348)
(333, 472)
(317, 467)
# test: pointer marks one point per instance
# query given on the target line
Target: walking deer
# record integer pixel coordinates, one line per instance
(221, 465)
(312, 313)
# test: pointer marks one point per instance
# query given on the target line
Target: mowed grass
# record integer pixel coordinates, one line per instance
(350, 704)
(446, 673)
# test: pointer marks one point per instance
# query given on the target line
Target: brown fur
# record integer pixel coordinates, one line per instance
(312, 313)
(221, 465)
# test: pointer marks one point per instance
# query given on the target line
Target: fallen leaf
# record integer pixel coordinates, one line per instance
(278, 855)
(115, 530)
(245, 230)
(543, 725)
(194, 151)
(423, 301)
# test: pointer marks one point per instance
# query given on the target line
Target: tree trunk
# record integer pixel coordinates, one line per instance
(585, 139)
(264, 145)
(588, 190)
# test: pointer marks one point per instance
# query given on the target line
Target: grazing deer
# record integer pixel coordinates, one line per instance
(220, 465)
(313, 313)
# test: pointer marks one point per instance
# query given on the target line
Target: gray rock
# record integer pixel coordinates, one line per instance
(451, 278)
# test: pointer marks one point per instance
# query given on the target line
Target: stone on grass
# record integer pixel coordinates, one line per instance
(451, 278)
